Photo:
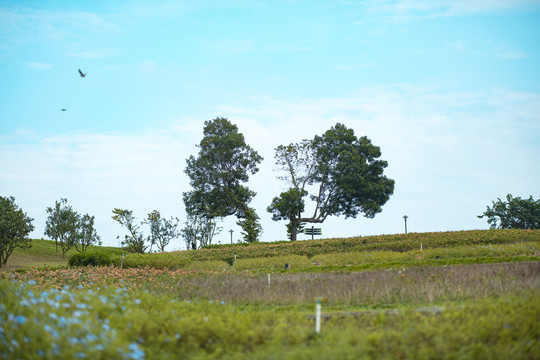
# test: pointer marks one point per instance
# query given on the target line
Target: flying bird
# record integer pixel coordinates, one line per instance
(82, 74)
(63, 109)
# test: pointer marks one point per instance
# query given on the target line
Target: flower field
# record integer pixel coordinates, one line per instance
(476, 296)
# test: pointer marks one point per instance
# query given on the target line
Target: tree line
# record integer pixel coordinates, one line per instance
(340, 173)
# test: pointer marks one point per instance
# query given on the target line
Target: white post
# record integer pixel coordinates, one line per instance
(122, 263)
(268, 279)
(420, 245)
(318, 316)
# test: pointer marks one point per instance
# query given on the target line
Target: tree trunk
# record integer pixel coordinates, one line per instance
(294, 229)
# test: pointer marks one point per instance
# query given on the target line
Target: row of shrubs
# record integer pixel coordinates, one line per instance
(179, 260)
(397, 242)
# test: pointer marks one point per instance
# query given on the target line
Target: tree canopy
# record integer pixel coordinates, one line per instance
(63, 225)
(218, 173)
(15, 226)
(343, 173)
(515, 213)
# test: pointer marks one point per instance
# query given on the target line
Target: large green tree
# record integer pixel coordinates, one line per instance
(342, 174)
(514, 213)
(15, 226)
(219, 172)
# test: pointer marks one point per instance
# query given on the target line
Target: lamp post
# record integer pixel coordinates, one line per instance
(405, 217)
(231, 231)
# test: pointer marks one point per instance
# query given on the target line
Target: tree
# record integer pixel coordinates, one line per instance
(135, 240)
(63, 225)
(344, 171)
(515, 213)
(249, 222)
(199, 231)
(15, 226)
(162, 231)
(87, 234)
(217, 175)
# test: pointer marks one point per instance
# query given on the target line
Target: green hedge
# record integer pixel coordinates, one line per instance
(90, 258)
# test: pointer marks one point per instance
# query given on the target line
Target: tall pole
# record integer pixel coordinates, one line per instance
(231, 231)
(405, 218)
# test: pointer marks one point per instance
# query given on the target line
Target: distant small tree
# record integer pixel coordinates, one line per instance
(135, 240)
(63, 225)
(515, 213)
(199, 231)
(87, 234)
(249, 222)
(15, 226)
(162, 231)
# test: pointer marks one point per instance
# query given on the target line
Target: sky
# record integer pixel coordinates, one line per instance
(448, 89)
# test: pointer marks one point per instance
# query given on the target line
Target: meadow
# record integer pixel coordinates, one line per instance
(470, 294)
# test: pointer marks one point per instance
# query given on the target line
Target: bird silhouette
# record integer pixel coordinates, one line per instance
(82, 74)
(63, 109)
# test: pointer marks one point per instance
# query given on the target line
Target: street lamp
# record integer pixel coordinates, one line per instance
(405, 217)
(231, 231)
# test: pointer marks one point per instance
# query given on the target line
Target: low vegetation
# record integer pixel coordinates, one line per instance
(464, 295)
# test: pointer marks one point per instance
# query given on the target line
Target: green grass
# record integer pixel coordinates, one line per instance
(465, 295)
(43, 253)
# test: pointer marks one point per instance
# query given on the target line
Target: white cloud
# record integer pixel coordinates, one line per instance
(39, 65)
(408, 10)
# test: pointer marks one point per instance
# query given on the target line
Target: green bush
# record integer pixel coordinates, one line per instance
(273, 263)
(90, 258)
(172, 260)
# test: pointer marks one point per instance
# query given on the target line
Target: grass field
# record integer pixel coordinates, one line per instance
(465, 295)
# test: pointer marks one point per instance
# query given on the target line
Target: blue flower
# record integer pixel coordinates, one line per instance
(137, 301)
(136, 353)
(32, 282)
(19, 319)
(80, 355)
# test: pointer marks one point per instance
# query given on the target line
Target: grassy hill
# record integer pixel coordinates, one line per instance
(452, 295)
(43, 254)
(350, 254)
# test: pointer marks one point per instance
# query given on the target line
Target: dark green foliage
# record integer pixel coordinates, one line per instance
(90, 258)
(15, 226)
(346, 171)
(249, 222)
(217, 175)
(516, 213)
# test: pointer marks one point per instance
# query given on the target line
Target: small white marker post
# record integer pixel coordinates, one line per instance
(318, 316)
(269, 280)
(122, 263)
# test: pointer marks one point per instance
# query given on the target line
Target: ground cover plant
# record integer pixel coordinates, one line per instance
(397, 242)
(400, 307)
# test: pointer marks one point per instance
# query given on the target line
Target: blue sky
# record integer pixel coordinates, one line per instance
(450, 91)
